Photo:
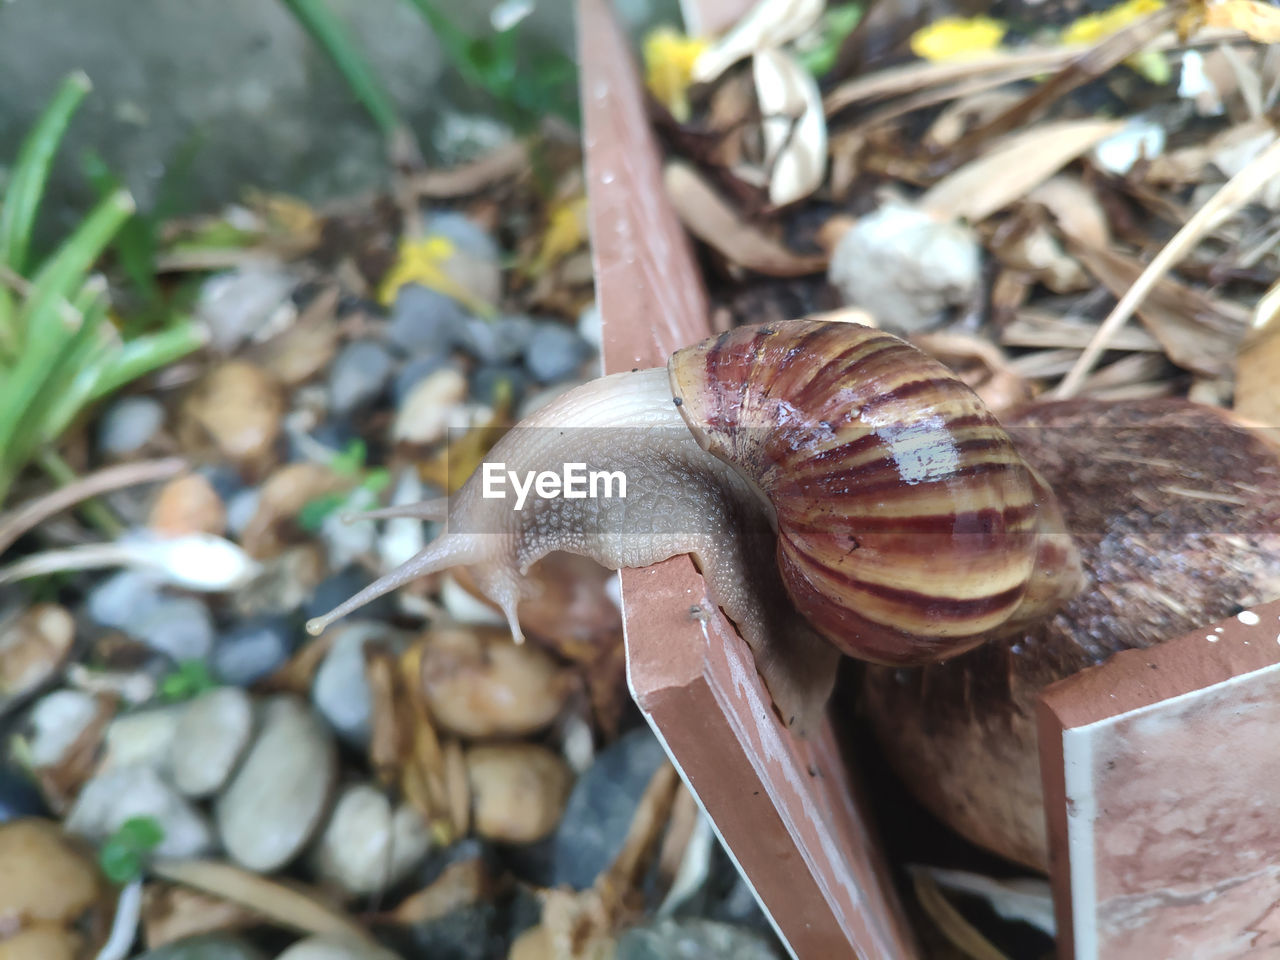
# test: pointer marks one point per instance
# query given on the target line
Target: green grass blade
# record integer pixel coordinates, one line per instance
(139, 356)
(330, 33)
(31, 171)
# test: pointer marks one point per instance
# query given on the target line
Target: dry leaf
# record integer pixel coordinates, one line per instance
(1258, 366)
(717, 223)
(460, 885)
(1260, 21)
(505, 161)
(794, 126)
(1014, 167)
(171, 912)
(1044, 331)
(769, 24)
(951, 922)
(1075, 209)
(966, 112)
(292, 906)
(1198, 332)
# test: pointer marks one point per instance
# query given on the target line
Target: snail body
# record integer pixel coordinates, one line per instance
(906, 528)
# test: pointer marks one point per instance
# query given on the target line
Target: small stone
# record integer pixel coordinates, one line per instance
(117, 601)
(340, 690)
(591, 327)
(464, 233)
(19, 795)
(225, 480)
(42, 941)
(253, 649)
(235, 305)
(212, 732)
(518, 791)
(479, 683)
(413, 373)
(488, 383)
(120, 794)
(554, 352)
(425, 322)
(210, 946)
(285, 583)
(33, 646)
(471, 932)
(179, 627)
(128, 425)
(497, 341)
(346, 537)
(57, 722)
(241, 509)
(143, 737)
(431, 407)
(692, 939)
(277, 798)
(601, 807)
(358, 376)
(239, 408)
(46, 877)
(188, 504)
(367, 846)
(335, 588)
(906, 267)
(334, 947)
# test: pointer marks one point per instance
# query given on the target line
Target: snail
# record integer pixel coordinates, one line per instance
(841, 492)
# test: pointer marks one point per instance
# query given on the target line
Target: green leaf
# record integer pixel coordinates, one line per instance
(351, 460)
(123, 854)
(190, 679)
(837, 23)
(313, 514)
(377, 480)
(31, 171)
(142, 833)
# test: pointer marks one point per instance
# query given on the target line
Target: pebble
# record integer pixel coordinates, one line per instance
(554, 352)
(143, 737)
(424, 322)
(238, 407)
(601, 807)
(340, 690)
(211, 734)
(188, 504)
(33, 646)
(367, 845)
(286, 582)
(253, 649)
(496, 341)
(465, 234)
(591, 326)
(46, 877)
(19, 795)
(116, 601)
(472, 932)
(487, 381)
(57, 721)
(333, 947)
(223, 478)
(692, 939)
(211, 946)
(905, 267)
(335, 588)
(128, 425)
(179, 627)
(42, 941)
(345, 536)
(275, 802)
(431, 407)
(413, 373)
(479, 683)
(241, 508)
(358, 375)
(236, 304)
(108, 799)
(518, 791)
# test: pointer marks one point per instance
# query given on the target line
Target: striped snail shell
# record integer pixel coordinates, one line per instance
(909, 528)
(905, 525)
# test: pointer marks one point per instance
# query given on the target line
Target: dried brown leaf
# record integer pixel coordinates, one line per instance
(171, 912)
(300, 669)
(1042, 330)
(951, 922)
(506, 161)
(769, 24)
(460, 885)
(1075, 209)
(292, 906)
(793, 124)
(307, 346)
(966, 112)
(1258, 366)
(1012, 169)
(711, 219)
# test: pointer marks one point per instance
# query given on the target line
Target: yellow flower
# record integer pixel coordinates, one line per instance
(958, 38)
(425, 261)
(668, 66)
(1096, 26)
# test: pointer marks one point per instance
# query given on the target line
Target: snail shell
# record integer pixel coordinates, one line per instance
(909, 528)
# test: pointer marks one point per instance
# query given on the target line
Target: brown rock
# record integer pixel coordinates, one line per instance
(45, 877)
(237, 407)
(479, 683)
(43, 941)
(1176, 510)
(518, 791)
(188, 504)
(33, 647)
